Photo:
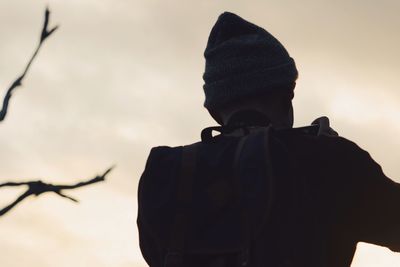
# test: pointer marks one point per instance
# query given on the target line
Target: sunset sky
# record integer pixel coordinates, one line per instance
(121, 76)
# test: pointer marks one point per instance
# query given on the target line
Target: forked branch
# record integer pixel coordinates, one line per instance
(38, 187)
(18, 82)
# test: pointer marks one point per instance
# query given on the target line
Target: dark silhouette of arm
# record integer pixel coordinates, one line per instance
(376, 204)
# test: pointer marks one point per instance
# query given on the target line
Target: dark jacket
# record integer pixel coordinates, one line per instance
(329, 194)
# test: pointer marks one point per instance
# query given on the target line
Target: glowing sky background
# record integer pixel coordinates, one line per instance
(120, 77)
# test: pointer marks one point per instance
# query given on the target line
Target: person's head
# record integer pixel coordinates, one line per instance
(247, 69)
(276, 106)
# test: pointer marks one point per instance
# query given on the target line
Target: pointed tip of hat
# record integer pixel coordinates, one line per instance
(229, 16)
(230, 25)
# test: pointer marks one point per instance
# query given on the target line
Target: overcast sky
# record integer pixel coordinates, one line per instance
(122, 76)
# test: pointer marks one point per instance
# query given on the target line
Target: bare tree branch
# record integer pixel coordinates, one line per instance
(18, 82)
(38, 187)
(12, 205)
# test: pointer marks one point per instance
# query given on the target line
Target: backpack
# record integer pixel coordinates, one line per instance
(212, 203)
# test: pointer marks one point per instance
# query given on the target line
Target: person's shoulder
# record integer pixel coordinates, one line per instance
(304, 141)
(344, 146)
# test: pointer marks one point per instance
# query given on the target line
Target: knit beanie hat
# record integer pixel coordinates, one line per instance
(243, 60)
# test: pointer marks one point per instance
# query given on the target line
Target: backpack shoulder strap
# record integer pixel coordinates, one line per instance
(243, 259)
(270, 176)
(249, 234)
(174, 257)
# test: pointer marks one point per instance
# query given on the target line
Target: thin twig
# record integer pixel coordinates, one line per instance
(38, 187)
(18, 82)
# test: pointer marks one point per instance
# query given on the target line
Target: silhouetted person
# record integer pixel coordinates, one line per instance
(261, 193)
